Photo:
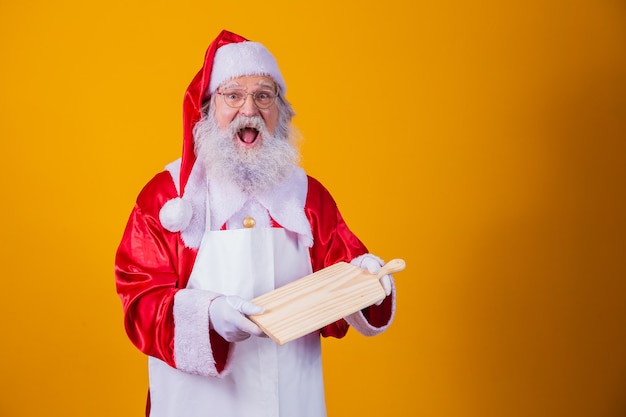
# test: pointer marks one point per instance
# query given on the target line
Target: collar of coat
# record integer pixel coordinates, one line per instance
(284, 203)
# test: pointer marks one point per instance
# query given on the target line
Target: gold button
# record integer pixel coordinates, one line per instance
(249, 222)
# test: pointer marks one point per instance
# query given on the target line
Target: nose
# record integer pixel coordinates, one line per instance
(249, 107)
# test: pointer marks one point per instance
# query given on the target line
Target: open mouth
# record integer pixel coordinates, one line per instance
(248, 135)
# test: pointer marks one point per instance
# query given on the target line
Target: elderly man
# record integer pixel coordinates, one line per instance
(233, 218)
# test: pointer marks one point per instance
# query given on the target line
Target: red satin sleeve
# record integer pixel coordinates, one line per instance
(148, 273)
(332, 240)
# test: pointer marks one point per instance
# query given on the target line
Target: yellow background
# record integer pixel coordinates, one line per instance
(482, 141)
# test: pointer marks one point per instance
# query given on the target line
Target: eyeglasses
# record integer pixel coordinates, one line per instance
(236, 98)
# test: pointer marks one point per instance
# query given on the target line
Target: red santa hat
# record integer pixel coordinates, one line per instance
(228, 56)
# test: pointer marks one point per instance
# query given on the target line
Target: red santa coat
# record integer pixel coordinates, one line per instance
(153, 264)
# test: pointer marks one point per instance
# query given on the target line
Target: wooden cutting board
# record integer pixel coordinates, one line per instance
(318, 299)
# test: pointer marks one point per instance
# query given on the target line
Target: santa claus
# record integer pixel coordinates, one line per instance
(235, 217)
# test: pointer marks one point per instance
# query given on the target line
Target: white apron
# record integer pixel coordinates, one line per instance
(265, 379)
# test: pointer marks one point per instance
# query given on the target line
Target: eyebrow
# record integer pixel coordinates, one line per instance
(262, 83)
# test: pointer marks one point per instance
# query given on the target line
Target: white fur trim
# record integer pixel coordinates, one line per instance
(358, 320)
(243, 58)
(175, 215)
(192, 347)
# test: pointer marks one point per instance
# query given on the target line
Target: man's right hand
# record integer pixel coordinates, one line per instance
(227, 316)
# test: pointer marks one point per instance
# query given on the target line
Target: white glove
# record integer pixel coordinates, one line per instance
(373, 267)
(227, 316)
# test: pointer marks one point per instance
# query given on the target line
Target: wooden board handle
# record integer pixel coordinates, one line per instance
(394, 265)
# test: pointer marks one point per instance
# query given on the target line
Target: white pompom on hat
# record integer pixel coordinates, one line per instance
(241, 59)
(175, 215)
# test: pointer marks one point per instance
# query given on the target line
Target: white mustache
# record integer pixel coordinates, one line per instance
(241, 122)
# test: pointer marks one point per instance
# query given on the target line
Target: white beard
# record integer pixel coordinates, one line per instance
(255, 169)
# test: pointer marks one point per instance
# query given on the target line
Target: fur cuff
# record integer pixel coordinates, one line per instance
(361, 325)
(192, 348)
